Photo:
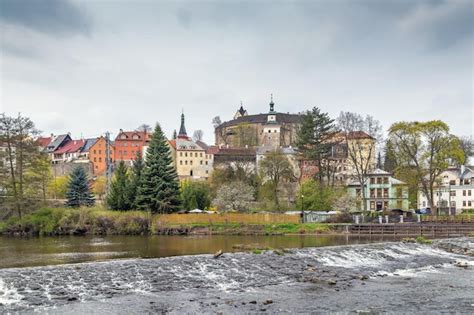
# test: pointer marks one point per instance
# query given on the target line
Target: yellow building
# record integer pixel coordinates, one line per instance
(190, 158)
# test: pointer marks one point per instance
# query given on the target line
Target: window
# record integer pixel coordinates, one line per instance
(464, 203)
(95, 159)
(191, 162)
(385, 192)
(379, 180)
(186, 162)
(385, 205)
(452, 193)
(95, 152)
(206, 163)
(453, 204)
(100, 151)
(399, 204)
(180, 162)
(269, 131)
(100, 159)
(200, 162)
(452, 182)
(186, 154)
(207, 172)
(180, 153)
(372, 205)
(200, 154)
(372, 180)
(385, 180)
(191, 173)
(464, 193)
(399, 192)
(469, 192)
(469, 203)
(379, 192)
(372, 193)
(358, 192)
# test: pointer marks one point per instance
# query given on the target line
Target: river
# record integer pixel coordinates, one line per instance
(62, 275)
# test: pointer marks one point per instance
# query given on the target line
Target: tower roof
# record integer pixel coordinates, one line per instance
(182, 128)
(272, 105)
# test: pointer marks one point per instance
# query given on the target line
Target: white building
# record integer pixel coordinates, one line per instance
(455, 191)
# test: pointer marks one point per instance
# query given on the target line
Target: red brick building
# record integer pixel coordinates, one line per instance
(128, 143)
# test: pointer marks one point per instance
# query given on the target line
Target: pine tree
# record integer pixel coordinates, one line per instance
(379, 161)
(390, 161)
(159, 189)
(118, 196)
(78, 191)
(137, 171)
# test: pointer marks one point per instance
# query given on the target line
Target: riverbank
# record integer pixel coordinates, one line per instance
(97, 221)
(369, 278)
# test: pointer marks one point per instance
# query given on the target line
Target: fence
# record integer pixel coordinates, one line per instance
(225, 218)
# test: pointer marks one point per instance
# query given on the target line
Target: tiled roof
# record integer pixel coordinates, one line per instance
(262, 119)
(57, 142)
(232, 151)
(88, 144)
(71, 146)
(130, 136)
(44, 141)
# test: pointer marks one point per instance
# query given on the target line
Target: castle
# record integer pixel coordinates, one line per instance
(272, 129)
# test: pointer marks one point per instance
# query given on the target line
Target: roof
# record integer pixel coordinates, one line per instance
(57, 142)
(225, 151)
(202, 144)
(185, 144)
(133, 136)
(71, 146)
(262, 119)
(378, 172)
(359, 135)
(88, 144)
(44, 141)
(266, 149)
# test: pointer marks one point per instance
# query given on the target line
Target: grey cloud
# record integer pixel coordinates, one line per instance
(56, 17)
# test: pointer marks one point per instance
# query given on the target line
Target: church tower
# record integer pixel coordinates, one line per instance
(182, 129)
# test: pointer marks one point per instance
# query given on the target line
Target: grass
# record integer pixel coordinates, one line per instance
(423, 240)
(97, 220)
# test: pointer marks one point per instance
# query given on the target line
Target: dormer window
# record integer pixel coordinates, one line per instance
(136, 137)
(123, 137)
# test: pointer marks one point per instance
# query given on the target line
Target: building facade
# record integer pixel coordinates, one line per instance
(455, 191)
(270, 129)
(98, 155)
(129, 143)
(190, 159)
(382, 192)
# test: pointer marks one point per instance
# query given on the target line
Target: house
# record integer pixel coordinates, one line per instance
(454, 191)
(225, 156)
(382, 192)
(55, 143)
(98, 155)
(190, 159)
(68, 151)
(129, 143)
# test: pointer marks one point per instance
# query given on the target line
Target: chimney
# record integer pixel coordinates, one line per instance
(121, 130)
(52, 136)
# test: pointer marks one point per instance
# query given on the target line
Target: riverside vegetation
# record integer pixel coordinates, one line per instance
(99, 221)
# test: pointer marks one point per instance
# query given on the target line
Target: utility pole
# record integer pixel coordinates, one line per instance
(108, 165)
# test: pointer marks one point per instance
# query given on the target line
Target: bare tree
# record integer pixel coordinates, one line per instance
(467, 145)
(361, 136)
(198, 135)
(236, 195)
(144, 128)
(216, 121)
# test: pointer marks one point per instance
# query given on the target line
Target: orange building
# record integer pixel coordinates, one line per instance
(129, 143)
(98, 156)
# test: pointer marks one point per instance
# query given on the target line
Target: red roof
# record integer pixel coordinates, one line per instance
(172, 143)
(44, 141)
(71, 146)
(130, 135)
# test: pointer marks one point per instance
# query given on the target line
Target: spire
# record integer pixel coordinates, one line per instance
(182, 129)
(272, 105)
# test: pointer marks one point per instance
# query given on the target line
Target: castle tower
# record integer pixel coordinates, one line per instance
(240, 112)
(272, 129)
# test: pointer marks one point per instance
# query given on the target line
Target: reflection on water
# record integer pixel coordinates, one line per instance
(25, 252)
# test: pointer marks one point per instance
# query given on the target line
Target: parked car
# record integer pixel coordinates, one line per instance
(423, 211)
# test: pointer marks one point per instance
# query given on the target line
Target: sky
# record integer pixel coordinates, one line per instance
(87, 67)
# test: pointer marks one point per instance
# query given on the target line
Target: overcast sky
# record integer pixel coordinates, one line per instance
(89, 66)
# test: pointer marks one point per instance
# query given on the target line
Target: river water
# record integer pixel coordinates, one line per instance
(356, 276)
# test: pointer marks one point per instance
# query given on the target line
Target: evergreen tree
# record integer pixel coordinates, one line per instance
(379, 161)
(159, 189)
(175, 134)
(314, 140)
(78, 191)
(390, 161)
(118, 196)
(137, 171)
(195, 195)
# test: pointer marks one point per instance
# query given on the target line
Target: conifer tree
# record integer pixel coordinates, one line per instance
(159, 189)
(118, 196)
(379, 161)
(137, 171)
(390, 161)
(78, 191)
